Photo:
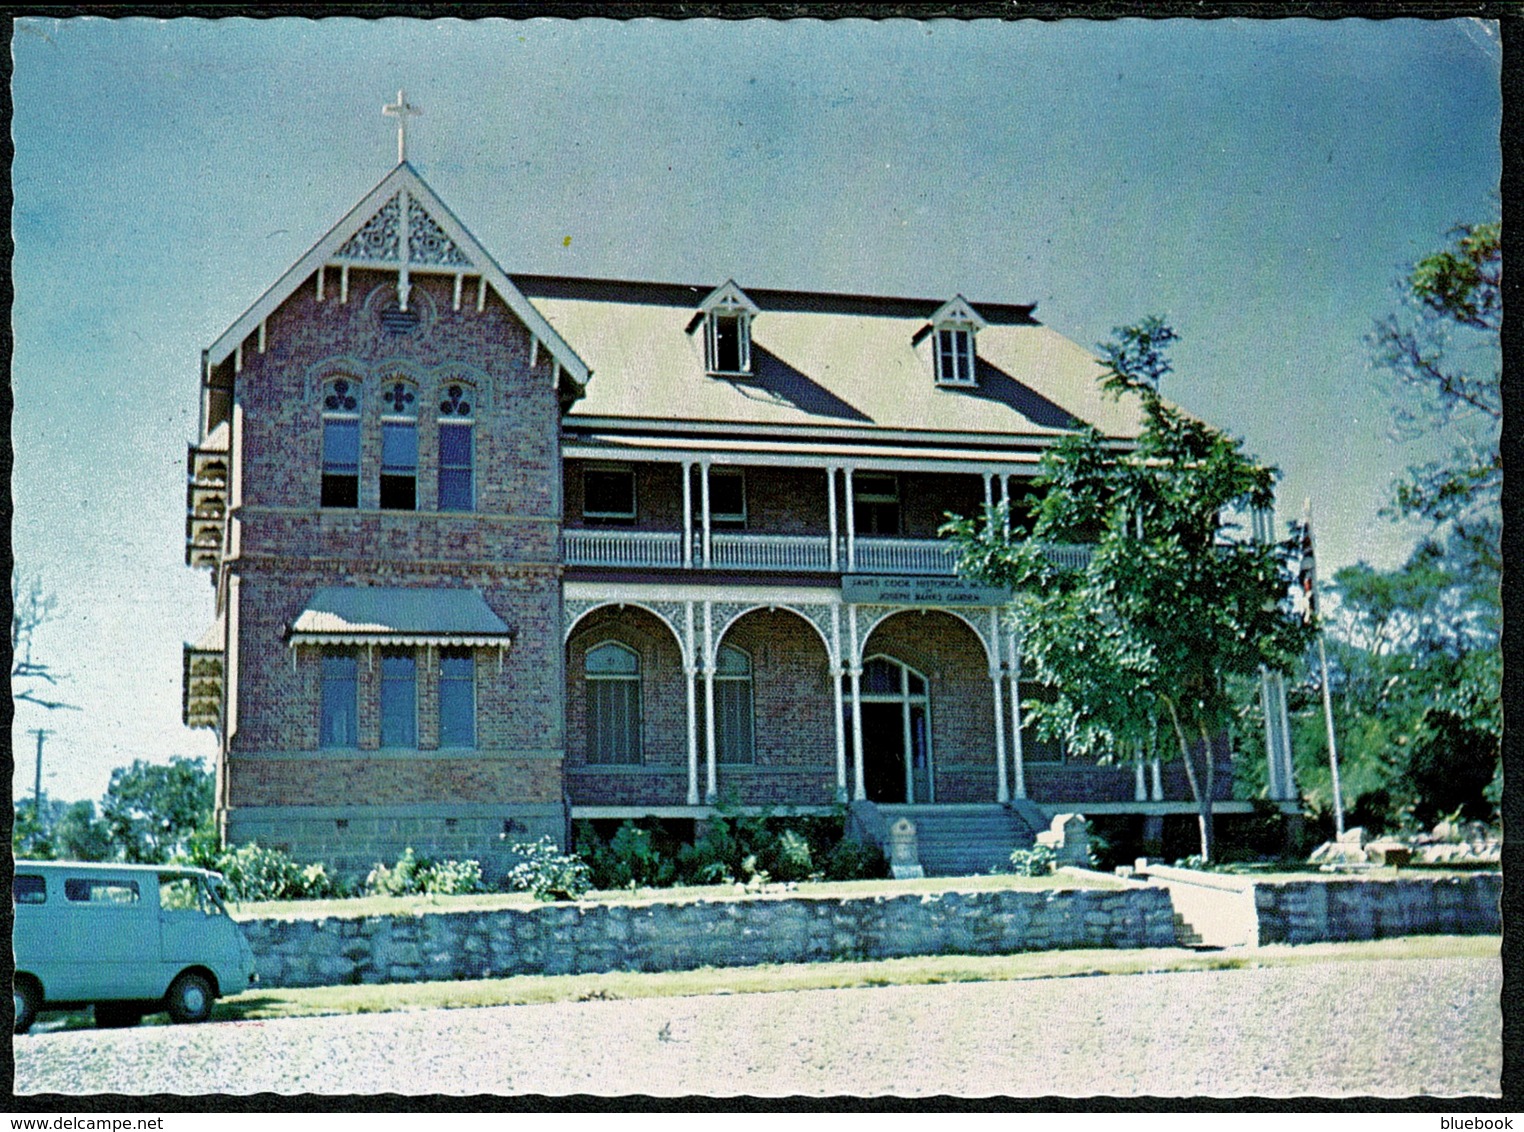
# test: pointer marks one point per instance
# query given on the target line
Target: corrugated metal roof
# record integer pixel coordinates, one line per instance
(821, 362)
(399, 615)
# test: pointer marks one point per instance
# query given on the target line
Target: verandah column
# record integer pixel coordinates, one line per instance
(836, 673)
(711, 779)
(688, 524)
(704, 502)
(1019, 785)
(855, 674)
(690, 675)
(851, 537)
(997, 678)
(831, 513)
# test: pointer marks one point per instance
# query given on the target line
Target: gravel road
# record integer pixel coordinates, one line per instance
(1389, 1028)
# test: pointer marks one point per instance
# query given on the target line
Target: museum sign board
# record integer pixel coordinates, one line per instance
(886, 589)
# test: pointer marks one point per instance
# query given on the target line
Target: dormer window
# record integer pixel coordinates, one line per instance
(727, 330)
(954, 325)
(955, 356)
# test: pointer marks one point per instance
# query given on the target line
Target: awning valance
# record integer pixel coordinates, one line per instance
(396, 615)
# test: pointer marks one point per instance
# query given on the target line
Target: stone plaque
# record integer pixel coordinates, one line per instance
(883, 589)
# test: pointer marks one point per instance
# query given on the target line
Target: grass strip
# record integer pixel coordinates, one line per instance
(527, 990)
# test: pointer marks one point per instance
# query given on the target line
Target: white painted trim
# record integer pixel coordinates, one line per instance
(997, 677)
(690, 674)
(640, 593)
(711, 782)
(831, 511)
(957, 311)
(403, 178)
(1018, 755)
(853, 434)
(872, 460)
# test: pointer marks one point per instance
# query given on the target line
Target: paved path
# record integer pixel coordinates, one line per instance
(1394, 1028)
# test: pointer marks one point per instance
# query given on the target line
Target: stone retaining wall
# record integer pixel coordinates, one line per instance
(1313, 911)
(555, 939)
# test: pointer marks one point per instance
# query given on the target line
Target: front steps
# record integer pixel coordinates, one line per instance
(967, 840)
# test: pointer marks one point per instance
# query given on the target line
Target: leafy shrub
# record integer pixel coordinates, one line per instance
(413, 876)
(855, 860)
(732, 847)
(547, 872)
(401, 879)
(638, 856)
(1034, 862)
(452, 878)
(252, 872)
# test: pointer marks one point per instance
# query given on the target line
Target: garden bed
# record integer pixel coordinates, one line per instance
(360, 906)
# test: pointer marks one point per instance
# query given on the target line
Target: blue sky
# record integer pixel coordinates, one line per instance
(1261, 183)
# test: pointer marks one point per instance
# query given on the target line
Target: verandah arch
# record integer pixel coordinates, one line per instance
(963, 744)
(792, 704)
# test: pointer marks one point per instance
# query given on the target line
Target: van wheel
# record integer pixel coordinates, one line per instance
(190, 998)
(28, 1000)
(116, 1015)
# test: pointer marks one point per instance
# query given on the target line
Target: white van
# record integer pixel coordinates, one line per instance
(130, 939)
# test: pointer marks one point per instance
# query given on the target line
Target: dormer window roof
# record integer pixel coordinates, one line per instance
(953, 326)
(727, 330)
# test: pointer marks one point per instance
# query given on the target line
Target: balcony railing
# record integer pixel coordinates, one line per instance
(904, 556)
(623, 548)
(781, 553)
(770, 552)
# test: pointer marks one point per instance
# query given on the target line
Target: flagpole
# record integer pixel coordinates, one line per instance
(1310, 582)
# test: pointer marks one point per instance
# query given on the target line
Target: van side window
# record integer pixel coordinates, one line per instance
(182, 894)
(82, 890)
(29, 890)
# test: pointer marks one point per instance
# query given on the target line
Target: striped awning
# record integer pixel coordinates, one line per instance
(396, 615)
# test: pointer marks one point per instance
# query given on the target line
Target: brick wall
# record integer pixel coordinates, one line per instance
(507, 549)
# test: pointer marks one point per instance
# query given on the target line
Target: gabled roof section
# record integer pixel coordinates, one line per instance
(370, 235)
(728, 296)
(958, 310)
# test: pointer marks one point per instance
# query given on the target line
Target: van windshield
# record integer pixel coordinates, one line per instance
(188, 894)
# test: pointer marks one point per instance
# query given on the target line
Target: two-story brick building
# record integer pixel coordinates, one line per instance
(493, 552)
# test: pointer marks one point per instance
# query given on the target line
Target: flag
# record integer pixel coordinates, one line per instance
(1307, 573)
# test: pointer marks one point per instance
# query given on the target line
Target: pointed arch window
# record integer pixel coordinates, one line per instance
(612, 674)
(341, 444)
(457, 415)
(399, 446)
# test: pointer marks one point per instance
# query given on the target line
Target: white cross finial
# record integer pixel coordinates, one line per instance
(402, 110)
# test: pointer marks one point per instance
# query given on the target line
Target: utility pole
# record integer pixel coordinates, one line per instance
(1309, 576)
(37, 789)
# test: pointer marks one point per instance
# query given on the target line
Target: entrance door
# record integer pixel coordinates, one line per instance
(884, 740)
(897, 765)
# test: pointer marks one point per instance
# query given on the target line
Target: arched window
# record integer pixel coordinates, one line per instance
(897, 761)
(341, 443)
(734, 732)
(612, 671)
(399, 447)
(457, 408)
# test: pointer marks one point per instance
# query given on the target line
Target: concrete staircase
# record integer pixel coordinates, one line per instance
(968, 840)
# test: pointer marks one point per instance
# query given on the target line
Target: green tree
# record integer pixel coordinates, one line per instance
(1175, 602)
(154, 810)
(1418, 669)
(1444, 354)
(79, 835)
